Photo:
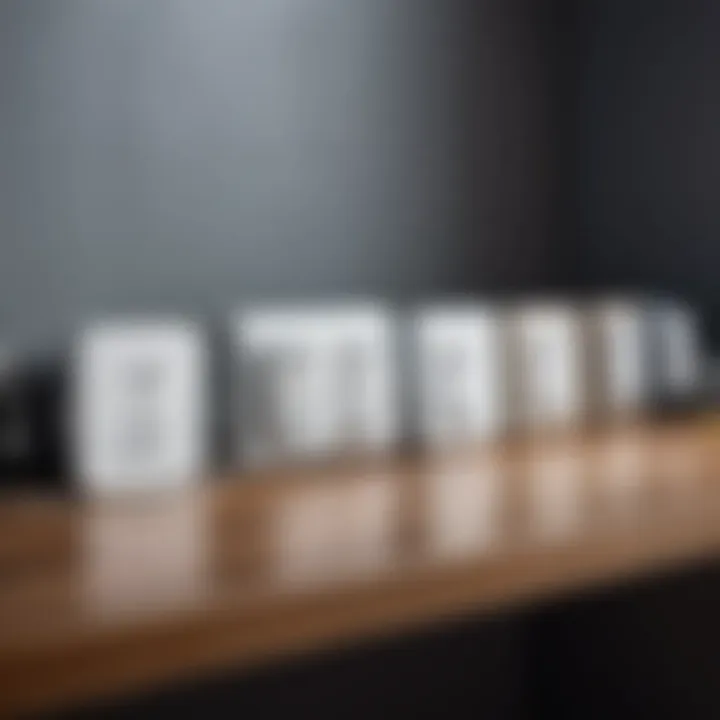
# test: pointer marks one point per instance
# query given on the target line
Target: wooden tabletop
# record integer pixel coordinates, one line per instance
(104, 599)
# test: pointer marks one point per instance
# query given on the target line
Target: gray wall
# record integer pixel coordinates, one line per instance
(185, 154)
(647, 148)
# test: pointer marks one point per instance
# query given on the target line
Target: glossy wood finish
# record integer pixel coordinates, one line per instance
(98, 600)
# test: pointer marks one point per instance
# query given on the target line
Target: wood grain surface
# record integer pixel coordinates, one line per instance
(97, 600)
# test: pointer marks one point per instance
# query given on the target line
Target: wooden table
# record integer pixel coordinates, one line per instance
(98, 600)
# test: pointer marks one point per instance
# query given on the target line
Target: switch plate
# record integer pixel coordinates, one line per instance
(139, 406)
(313, 382)
(462, 384)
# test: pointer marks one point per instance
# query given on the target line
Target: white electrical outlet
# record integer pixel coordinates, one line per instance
(549, 366)
(364, 362)
(680, 352)
(462, 384)
(139, 410)
(622, 382)
(314, 382)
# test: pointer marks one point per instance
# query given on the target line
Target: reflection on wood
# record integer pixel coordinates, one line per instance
(112, 598)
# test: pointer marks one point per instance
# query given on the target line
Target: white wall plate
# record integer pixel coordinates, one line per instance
(680, 365)
(622, 382)
(461, 380)
(548, 366)
(139, 406)
(313, 382)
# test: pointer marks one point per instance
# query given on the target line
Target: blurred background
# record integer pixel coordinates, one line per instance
(186, 156)
(183, 155)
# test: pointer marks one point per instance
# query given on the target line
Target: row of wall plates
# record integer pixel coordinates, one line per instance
(335, 380)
